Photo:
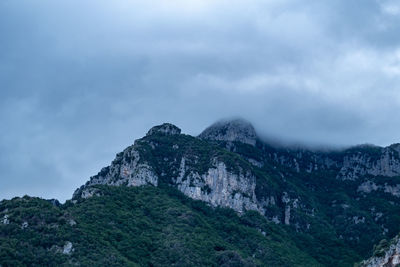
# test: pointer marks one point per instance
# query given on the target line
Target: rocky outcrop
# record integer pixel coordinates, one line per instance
(5, 219)
(219, 187)
(166, 129)
(127, 169)
(349, 164)
(387, 256)
(369, 186)
(67, 249)
(234, 130)
(385, 162)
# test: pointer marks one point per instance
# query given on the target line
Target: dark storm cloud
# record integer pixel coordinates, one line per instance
(80, 80)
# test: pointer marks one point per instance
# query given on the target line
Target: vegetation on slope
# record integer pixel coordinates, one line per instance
(143, 226)
(333, 224)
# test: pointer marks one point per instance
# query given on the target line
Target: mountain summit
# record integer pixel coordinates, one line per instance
(165, 128)
(231, 130)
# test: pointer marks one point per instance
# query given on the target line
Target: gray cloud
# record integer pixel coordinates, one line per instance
(80, 80)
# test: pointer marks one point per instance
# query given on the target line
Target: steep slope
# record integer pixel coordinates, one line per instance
(329, 207)
(139, 226)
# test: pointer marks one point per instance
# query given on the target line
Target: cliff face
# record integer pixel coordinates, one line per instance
(125, 170)
(219, 187)
(383, 162)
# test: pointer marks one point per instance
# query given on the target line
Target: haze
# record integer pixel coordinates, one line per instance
(81, 80)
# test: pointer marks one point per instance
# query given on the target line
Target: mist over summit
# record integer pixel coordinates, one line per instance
(313, 180)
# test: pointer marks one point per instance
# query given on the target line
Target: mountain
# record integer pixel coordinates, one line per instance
(224, 198)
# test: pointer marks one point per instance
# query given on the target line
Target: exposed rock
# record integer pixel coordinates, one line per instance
(219, 187)
(24, 225)
(349, 164)
(393, 190)
(287, 215)
(71, 222)
(68, 248)
(89, 192)
(276, 220)
(124, 170)
(269, 201)
(166, 128)
(234, 130)
(142, 175)
(256, 163)
(286, 200)
(386, 162)
(368, 187)
(358, 220)
(387, 257)
(5, 219)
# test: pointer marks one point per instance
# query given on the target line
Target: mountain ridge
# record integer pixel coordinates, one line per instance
(345, 200)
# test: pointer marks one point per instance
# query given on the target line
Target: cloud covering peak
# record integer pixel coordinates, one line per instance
(81, 79)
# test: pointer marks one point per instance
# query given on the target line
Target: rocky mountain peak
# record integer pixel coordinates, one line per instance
(165, 128)
(231, 130)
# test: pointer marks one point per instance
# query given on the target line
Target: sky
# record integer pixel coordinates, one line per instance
(80, 80)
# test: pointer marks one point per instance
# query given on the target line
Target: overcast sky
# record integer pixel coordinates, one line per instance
(82, 79)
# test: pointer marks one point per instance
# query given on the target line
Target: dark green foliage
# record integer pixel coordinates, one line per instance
(379, 250)
(144, 226)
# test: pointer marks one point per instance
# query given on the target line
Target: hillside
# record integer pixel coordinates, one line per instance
(225, 198)
(131, 226)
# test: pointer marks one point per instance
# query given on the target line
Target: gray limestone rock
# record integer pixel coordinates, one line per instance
(166, 128)
(219, 187)
(390, 257)
(368, 187)
(126, 169)
(234, 130)
(5, 219)
(386, 163)
(68, 248)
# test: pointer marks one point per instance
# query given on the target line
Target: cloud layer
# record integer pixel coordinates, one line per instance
(80, 80)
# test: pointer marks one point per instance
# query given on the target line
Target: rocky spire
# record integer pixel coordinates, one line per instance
(231, 130)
